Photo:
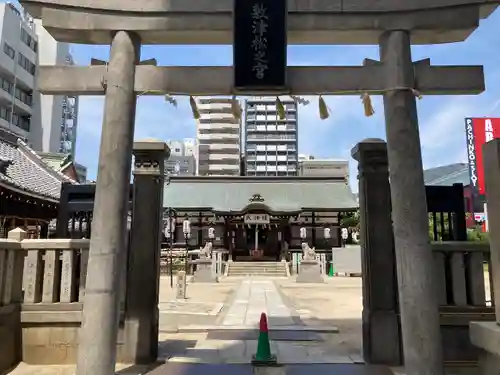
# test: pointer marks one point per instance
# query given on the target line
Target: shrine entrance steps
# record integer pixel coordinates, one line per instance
(253, 268)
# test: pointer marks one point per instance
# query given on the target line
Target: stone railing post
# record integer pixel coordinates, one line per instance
(11, 279)
(486, 335)
(18, 266)
(142, 288)
(381, 332)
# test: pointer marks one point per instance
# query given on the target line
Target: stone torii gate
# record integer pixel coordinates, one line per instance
(393, 25)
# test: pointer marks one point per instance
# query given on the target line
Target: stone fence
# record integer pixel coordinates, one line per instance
(42, 284)
(465, 295)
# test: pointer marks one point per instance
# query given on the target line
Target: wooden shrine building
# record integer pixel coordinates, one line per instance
(257, 217)
(29, 188)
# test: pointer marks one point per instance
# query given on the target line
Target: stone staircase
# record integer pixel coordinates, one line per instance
(257, 269)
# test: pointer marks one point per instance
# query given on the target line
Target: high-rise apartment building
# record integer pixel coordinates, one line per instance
(270, 143)
(18, 63)
(182, 160)
(218, 138)
(47, 123)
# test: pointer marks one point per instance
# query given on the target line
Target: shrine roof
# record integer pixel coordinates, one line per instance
(276, 194)
(22, 169)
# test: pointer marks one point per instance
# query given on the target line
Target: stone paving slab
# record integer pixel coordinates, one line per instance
(273, 335)
(302, 328)
(184, 368)
(190, 308)
(241, 369)
(335, 303)
(121, 369)
(238, 351)
(448, 371)
(252, 298)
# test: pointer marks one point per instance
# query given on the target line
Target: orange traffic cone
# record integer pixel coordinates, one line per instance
(264, 357)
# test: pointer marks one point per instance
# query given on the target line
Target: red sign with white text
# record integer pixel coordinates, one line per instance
(478, 132)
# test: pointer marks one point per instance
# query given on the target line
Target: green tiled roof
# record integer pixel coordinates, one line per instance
(233, 194)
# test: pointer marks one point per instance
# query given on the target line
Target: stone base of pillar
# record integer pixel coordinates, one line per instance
(378, 325)
(204, 272)
(309, 272)
(486, 336)
(140, 342)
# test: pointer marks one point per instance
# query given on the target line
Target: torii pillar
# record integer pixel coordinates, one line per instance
(423, 354)
(99, 330)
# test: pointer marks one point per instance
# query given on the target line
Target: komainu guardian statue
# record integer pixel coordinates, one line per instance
(206, 252)
(307, 252)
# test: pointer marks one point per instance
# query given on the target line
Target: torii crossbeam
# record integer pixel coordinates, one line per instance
(302, 80)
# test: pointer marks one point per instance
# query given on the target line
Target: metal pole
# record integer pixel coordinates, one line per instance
(171, 228)
(187, 254)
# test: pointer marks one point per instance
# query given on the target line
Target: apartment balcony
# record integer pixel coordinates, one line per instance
(271, 128)
(19, 106)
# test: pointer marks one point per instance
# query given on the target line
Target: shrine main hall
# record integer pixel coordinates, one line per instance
(255, 218)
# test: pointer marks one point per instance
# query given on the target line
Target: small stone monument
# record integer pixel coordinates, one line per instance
(204, 271)
(310, 269)
(181, 285)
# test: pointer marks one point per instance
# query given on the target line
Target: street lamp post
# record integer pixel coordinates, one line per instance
(186, 228)
(169, 234)
(327, 235)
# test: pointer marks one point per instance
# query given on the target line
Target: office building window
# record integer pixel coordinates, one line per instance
(24, 96)
(9, 51)
(6, 85)
(20, 94)
(26, 64)
(28, 40)
(22, 122)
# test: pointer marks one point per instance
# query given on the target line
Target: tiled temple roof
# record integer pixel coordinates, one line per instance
(233, 194)
(23, 169)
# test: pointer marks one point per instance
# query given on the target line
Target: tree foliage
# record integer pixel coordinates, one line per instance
(476, 234)
(350, 220)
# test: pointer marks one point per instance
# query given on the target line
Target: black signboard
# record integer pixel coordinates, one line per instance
(259, 44)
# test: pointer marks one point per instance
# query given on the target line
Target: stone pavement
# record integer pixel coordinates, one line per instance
(203, 304)
(234, 338)
(254, 297)
(197, 332)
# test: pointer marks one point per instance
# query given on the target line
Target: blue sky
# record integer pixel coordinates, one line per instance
(441, 118)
